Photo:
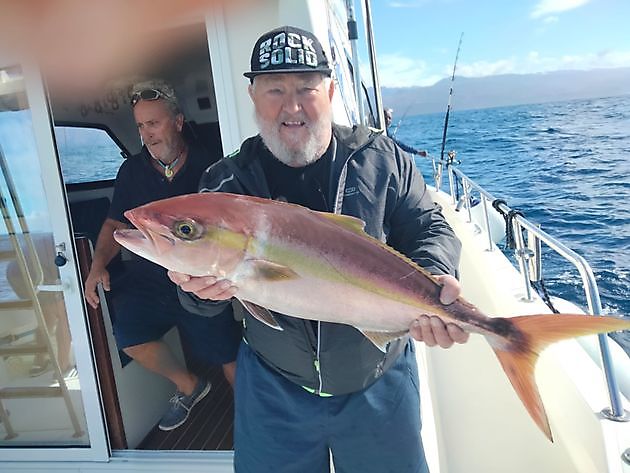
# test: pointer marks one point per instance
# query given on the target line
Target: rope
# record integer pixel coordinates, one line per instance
(495, 204)
(457, 185)
(451, 161)
(510, 241)
(544, 295)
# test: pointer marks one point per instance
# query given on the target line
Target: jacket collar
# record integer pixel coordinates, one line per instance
(354, 137)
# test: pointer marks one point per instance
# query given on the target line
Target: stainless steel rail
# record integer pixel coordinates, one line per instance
(528, 257)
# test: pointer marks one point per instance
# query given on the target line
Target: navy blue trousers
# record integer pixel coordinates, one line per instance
(281, 428)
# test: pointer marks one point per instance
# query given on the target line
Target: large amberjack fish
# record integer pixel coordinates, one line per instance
(320, 266)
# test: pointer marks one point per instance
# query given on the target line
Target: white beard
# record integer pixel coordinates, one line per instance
(302, 153)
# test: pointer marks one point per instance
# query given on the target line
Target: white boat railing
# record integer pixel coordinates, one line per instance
(527, 240)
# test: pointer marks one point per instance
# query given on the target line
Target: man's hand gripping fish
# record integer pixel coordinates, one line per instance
(319, 266)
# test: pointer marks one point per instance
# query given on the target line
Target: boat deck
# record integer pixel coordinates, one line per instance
(209, 427)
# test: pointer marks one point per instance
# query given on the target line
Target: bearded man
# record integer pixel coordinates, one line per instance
(318, 390)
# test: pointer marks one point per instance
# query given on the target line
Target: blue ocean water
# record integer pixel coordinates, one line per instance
(565, 165)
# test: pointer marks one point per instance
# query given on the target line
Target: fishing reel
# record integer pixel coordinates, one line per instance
(450, 158)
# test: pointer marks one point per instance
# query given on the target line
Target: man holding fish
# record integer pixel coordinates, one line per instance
(332, 288)
(306, 387)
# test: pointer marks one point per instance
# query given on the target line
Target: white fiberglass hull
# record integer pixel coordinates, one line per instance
(472, 418)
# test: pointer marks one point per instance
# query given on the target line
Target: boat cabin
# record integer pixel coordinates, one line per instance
(69, 399)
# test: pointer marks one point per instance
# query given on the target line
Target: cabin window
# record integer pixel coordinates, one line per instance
(87, 154)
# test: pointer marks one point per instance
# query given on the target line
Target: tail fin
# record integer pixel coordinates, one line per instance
(540, 331)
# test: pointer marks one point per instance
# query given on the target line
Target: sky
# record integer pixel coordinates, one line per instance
(416, 40)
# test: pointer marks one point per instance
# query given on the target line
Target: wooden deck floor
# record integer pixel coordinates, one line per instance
(209, 426)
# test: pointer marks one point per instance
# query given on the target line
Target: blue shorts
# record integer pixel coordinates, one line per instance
(280, 427)
(146, 306)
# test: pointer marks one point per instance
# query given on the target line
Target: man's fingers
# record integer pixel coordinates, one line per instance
(457, 334)
(92, 299)
(105, 282)
(178, 278)
(216, 294)
(433, 331)
(421, 330)
(194, 284)
(207, 287)
(440, 333)
(450, 289)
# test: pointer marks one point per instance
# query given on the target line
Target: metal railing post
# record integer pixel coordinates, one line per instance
(486, 219)
(523, 254)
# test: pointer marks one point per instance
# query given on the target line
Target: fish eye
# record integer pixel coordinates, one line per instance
(187, 229)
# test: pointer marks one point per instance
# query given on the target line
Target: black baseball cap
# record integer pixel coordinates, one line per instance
(288, 49)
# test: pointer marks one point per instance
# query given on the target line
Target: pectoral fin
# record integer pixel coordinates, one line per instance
(381, 339)
(269, 271)
(261, 314)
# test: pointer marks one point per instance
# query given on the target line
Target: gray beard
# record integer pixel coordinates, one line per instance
(308, 152)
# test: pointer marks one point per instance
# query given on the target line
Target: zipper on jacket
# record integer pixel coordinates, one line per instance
(341, 178)
(336, 208)
(316, 360)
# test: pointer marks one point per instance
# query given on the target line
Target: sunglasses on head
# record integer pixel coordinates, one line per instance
(147, 94)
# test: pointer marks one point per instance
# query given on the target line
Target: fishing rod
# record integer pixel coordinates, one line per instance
(450, 95)
(404, 115)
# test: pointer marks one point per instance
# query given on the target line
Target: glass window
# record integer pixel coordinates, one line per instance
(40, 391)
(87, 154)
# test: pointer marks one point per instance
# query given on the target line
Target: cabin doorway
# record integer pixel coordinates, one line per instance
(92, 133)
(95, 132)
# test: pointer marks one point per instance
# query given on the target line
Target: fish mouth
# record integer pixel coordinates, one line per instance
(148, 238)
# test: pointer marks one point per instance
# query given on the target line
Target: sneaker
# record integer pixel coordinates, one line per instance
(181, 405)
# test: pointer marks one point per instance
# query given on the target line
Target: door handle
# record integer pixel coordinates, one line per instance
(60, 259)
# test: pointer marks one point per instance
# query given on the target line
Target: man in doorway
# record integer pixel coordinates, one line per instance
(389, 114)
(145, 301)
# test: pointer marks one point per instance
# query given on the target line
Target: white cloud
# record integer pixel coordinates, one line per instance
(396, 70)
(545, 8)
(534, 62)
(602, 59)
(486, 68)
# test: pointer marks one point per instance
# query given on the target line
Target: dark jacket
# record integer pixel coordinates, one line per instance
(403, 146)
(372, 179)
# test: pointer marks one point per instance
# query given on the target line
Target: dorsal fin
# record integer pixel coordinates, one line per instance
(353, 224)
(357, 225)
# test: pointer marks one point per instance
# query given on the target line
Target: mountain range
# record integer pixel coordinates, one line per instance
(508, 89)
